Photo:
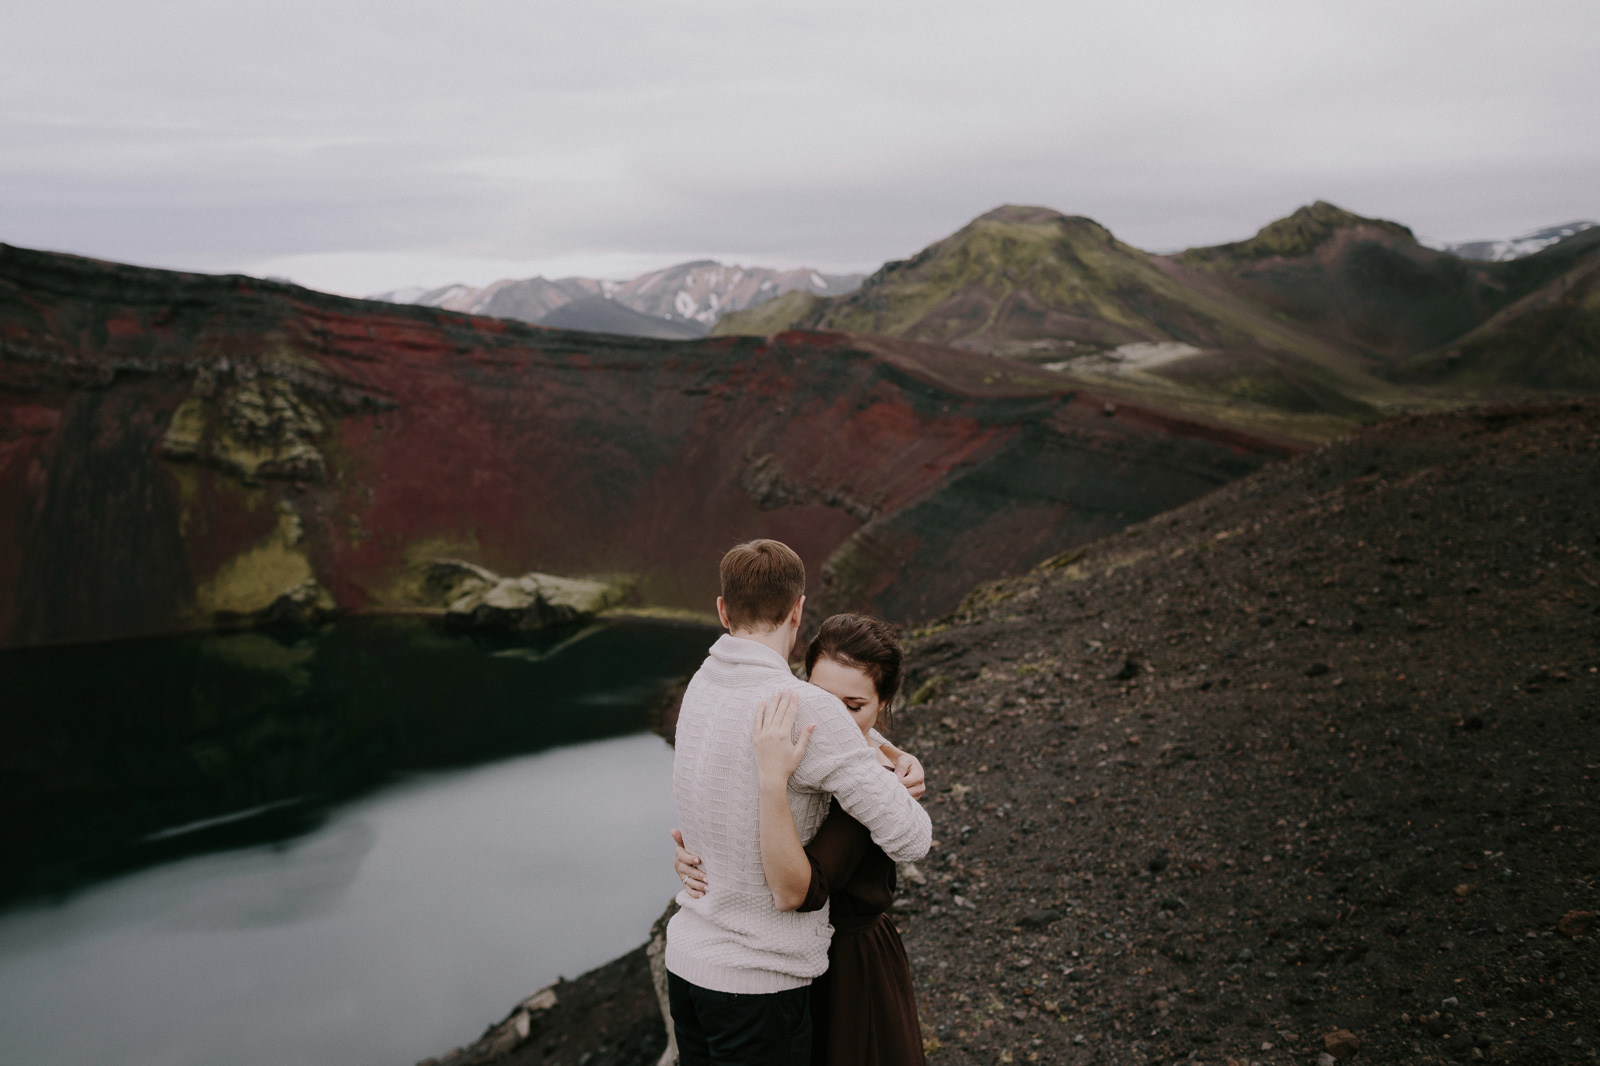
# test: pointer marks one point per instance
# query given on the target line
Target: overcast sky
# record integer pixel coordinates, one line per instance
(356, 146)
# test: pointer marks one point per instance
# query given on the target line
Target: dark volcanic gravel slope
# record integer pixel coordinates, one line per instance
(1316, 752)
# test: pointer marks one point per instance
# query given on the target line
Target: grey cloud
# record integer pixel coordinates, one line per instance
(230, 136)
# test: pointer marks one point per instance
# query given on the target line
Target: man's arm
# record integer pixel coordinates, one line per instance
(840, 762)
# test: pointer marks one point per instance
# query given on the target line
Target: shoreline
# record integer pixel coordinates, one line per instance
(683, 617)
(607, 1016)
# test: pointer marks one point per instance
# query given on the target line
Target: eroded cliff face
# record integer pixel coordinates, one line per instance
(178, 450)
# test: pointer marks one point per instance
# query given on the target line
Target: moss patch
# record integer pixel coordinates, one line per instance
(930, 689)
(254, 579)
(1301, 233)
(774, 316)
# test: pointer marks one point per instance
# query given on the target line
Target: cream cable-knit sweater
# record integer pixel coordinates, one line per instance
(733, 939)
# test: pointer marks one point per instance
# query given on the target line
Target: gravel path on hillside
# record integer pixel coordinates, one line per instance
(1314, 754)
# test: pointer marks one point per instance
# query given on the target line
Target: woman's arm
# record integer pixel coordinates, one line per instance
(783, 860)
(835, 852)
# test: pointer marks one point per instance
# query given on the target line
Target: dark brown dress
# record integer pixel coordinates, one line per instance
(863, 1010)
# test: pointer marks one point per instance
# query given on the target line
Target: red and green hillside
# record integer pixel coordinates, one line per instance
(178, 448)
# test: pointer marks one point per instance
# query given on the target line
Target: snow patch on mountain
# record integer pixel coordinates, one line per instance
(418, 294)
(696, 293)
(1497, 251)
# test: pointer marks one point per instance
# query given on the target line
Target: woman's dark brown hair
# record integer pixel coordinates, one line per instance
(871, 645)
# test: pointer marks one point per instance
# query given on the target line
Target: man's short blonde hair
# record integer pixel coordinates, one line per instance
(761, 582)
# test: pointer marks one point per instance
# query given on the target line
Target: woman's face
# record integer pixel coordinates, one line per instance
(852, 686)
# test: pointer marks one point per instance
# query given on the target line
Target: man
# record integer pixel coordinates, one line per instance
(738, 969)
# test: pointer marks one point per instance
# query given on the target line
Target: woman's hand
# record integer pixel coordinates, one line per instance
(783, 860)
(776, 754)
(688, 867)
(907, 769)
(910, 773)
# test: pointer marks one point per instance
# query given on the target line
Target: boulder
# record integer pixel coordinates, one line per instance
(1575, 923)
(1342, 1043)
(304, 604)
(478, 598)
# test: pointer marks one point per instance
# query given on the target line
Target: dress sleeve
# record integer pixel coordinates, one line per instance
(834, 852)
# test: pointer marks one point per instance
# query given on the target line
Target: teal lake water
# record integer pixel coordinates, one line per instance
(356, 846)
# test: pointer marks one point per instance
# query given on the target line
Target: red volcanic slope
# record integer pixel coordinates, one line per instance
(175, 445)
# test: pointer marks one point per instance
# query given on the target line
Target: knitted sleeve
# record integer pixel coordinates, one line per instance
(839, 761)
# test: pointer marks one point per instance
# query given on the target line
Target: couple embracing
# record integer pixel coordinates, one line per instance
(793, 811)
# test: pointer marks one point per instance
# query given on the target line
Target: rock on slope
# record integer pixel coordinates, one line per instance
(177, 450)
(1314, 753)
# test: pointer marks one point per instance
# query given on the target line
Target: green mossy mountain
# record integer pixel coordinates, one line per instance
(1321, 321)
(1304, 232)
(774, 316)
(1026, 274)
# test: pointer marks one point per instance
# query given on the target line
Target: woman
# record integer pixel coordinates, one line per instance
(864, 1012)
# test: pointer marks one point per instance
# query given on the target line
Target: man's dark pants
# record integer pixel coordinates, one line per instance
(734, 1029)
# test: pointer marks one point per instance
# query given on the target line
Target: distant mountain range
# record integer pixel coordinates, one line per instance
(1321, 321)
(678, 302)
